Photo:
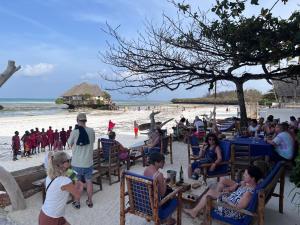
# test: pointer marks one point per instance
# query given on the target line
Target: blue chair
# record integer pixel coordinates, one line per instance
(144, 199)
(106, 144)
(109, 159)
(255, 210)
(193, 148)
(223, 168)
(164, 146)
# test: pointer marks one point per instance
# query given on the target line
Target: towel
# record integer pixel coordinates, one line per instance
(83, 138)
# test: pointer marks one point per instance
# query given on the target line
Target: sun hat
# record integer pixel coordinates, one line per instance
(81, 117)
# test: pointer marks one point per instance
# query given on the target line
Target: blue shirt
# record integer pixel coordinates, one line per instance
(284, 145)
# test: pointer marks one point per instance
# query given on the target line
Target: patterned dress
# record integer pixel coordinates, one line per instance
(233, 198)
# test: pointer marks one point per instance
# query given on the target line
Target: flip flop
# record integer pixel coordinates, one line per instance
(89, 204)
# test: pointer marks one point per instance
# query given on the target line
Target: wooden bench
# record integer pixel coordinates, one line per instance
(96, 176)
(255, 210)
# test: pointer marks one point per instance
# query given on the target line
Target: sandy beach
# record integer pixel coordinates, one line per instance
(106, 202)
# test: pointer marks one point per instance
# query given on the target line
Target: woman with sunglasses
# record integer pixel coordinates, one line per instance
(58, 187)
(210, 153)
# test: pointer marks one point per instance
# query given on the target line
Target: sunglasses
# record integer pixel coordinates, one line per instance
(68, 160)
(211, 139)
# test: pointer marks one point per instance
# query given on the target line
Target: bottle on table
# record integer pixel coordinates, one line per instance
(181, 180)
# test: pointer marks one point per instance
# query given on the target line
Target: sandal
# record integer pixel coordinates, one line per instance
(89, 204)
(76, 205)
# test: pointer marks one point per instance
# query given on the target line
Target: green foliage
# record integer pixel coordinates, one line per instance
(99, 102)
(106, 95)
(59, 101)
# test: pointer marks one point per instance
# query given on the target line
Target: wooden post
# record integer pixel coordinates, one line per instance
(122, 200)
(179, 207)
(189, 151)
(261, 208)
(171, 148)
(232, 155)
(281, 190)
(155, 203)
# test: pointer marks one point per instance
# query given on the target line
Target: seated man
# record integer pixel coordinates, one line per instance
(228, 191)
(157, 161)
(253, 128)
(153, 144)
(283, 142)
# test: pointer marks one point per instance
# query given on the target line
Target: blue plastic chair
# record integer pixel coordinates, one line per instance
(144, 200)
(223, 168)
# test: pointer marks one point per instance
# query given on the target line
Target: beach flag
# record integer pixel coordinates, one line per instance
(111, 125)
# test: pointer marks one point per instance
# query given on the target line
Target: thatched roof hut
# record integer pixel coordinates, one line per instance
(86, 95)
(84, 89)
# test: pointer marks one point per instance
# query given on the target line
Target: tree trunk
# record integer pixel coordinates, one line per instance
(10, 70)
(13, 190)
(241, 101)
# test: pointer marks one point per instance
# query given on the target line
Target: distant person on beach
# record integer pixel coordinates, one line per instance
(68, 134)
(26, 143)
(16, 145)
(38, 139)
(111, 126)
(63, 137)
(58, 187)
(283, 142)
(135, 129)
(44, 140)
(50, 137)
(157, 161)
(33, 142)
(82, 141)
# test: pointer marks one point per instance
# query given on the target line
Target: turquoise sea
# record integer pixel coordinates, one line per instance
(32, 107)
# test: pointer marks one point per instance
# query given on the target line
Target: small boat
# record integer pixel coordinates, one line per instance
(146, 126)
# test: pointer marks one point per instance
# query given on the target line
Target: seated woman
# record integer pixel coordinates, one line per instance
(153, 144)
(157, 161)
(228, 191)
(123, 152)
(211, 153)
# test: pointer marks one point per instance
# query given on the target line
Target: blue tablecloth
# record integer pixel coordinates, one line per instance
(258, 147)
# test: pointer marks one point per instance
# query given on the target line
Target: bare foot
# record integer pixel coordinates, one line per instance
(190, 212)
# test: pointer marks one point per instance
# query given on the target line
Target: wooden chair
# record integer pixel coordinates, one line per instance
(223, 168)
(254, 213)
(106, 144)
(164, 147)
(109, 161)
(144, 200)
(97, 179)
(193, 148)
(240, 159)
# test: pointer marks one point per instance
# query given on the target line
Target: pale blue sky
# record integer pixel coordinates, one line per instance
(57, 42)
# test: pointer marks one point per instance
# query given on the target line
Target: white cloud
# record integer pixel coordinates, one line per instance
(37, 69)
(90, 76)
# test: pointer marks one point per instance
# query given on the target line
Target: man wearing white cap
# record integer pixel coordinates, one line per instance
(82, 142)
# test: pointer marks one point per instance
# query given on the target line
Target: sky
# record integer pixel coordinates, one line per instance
(58, 43)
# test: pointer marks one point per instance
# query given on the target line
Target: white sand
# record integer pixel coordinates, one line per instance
(106, 202)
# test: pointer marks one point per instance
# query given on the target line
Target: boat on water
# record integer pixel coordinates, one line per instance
(146, 126)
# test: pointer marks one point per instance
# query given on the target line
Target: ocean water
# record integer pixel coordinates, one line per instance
(33, 107)
(29, 107)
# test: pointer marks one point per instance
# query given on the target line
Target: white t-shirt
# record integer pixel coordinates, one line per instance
(284, 145)
(199, 125)
(56, 199)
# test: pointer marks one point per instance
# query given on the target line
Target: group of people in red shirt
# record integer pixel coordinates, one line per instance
(36, 141)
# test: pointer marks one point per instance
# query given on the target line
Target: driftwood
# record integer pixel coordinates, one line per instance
(152, 121)
(13, 190)
(8, 72)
